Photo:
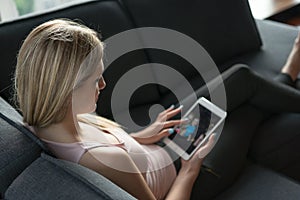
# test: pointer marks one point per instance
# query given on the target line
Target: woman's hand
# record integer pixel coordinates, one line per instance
(193, 165)
(183, 184)
(160, 128)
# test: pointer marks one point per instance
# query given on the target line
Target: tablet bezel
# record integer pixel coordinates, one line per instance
(211, 107)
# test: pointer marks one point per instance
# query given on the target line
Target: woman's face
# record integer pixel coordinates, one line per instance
(85, 97)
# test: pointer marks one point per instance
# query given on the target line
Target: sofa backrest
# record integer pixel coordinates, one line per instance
(17, 150)
(224, 28)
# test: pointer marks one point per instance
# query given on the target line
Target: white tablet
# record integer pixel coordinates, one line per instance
(202, 120)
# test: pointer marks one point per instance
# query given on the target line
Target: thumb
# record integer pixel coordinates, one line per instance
(203, 151)
(166, 132)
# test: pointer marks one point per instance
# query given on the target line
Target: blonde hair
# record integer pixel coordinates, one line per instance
(56, 57)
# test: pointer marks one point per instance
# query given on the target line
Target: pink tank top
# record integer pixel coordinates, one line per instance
(151, 159)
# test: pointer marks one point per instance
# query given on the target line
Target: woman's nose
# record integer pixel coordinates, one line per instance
(101, 84)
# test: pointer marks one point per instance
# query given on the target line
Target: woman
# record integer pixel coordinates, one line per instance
(52, 104)
(65, 59)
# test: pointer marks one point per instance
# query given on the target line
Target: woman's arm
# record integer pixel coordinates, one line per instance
(115, 164)
(183, 184)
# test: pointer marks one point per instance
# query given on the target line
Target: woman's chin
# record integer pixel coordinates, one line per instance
(93, 109)
(90, 110)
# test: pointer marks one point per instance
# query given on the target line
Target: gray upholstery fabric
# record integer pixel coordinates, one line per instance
(17, 150)
(236, 33)
(278, 138)
(50, 178)
(8, 111)
(277, 41)
(222, 38)
(11, 116)
(260, 184)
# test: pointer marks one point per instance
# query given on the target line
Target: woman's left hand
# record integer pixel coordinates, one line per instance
(160, 128)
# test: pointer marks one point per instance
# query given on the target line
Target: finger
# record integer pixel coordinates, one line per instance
(168, 109)
(160, 135)
(297, 38)
(203, 151)
(171, 123)
(174, 112)
(163, 114)
(166, 132)
(210, 142)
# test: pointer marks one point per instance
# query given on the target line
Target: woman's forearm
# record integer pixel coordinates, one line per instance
(182, 186)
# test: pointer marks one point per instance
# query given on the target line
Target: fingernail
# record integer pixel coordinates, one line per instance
(172, 106)
(180, 107)
(185, 119)
(171, 131)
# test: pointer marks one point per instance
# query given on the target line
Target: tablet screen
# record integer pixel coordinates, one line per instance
(191, 133)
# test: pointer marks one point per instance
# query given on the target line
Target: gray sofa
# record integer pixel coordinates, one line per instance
(226, 29)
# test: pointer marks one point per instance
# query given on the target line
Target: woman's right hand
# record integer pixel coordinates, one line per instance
(183, 184)
(193, 165)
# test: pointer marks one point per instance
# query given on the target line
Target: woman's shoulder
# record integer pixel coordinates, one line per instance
(99, 121)
(56, 135)
(109, 157)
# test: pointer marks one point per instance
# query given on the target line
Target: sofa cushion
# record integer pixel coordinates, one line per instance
(278, 139)
(225, 29)
(278, 40)
(50, 178)
(260, 184)
(17, 149)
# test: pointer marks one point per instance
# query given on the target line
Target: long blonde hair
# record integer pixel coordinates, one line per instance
(54, 59)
